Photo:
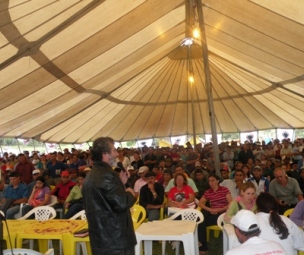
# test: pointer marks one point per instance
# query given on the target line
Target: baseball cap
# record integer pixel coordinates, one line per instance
(224, 168)
(87, 169)
(197, 163)
(130, 168)
(36, 171)
(245, 220)
(65, 173)
(143, 169)
(205, 160)
(256, 167)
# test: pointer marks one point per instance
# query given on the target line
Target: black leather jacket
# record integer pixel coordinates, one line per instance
(107, 207)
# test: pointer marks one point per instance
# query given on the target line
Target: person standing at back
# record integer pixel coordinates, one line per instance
(107, 203)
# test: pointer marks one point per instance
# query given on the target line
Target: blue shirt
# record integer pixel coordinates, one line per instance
(55, 170)
(20, 192)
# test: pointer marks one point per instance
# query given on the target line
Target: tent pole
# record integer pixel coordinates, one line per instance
(208, 85)
(46, 148)
(33, 139)
(18, 145)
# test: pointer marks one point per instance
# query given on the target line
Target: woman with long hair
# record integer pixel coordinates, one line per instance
(39, 196)
(246, 200)
(276, 227)
(219, 198)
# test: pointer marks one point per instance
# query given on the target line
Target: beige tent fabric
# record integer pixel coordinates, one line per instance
(71, 71)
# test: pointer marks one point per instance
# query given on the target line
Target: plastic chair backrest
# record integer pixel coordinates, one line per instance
(81, 215)
(42, 213)
(288, 212)
(220, 221)
(53, 200)
(138, 214)
(189, 214)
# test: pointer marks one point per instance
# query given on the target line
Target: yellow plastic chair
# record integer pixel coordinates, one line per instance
(288, 212)
(81, 242)
(138, 214)
(216, 228)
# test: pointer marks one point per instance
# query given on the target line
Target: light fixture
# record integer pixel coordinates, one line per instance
(191, 78)
(187, 41)
(196, 33)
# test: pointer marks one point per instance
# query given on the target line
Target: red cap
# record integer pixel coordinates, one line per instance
(225, 168)
(65, 173)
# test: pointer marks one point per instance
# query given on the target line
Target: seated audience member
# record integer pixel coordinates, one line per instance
(278, 228)
(15, 194)
(286, 190)
(24, 168)
(246, 200)
(200, 182)
(167, 176)
(181, 195)
(137, 162)
(74, 202)
(219, 198)
(157, 172)
(260, 182)
(247, 230)
(152, 196)
(40, 195)
(301, 179)
(224, 172)
(142, 181)
(234, 185)
(73, 175)
(179, 169)
(55, 167)
(297, 215)
(36, 173)
(293, 172)
(246, 172)
(133, 176)
(63, 189)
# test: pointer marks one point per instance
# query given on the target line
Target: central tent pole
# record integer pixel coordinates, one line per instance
(208, 85)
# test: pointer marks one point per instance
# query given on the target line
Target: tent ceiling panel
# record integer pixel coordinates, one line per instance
(68, 76)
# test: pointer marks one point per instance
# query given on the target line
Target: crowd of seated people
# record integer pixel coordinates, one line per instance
(185, 177)
(32, 180)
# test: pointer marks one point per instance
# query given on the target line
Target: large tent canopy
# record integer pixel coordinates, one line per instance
(71, 70)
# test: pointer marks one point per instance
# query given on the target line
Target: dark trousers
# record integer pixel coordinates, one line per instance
(209, 220)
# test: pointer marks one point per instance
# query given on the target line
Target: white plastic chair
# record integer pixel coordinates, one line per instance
(53, 202)
(220, 221)
(186, 214)
(42, 213)
(82, 245)
(80, 215)
(26, 252)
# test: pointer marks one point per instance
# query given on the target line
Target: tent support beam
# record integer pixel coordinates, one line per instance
(208, 85)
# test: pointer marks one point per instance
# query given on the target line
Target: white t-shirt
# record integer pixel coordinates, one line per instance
(294, 241)
(257, 246)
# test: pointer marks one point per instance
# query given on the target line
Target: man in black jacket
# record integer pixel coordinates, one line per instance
(107, 203)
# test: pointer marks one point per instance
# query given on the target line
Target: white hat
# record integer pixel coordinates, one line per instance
(245, 220)
(36, 171)
(8, 168)
(87, 169)
(143, 169)
(130, 168)
(197, 163)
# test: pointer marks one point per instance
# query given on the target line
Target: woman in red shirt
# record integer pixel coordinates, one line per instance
(181, 195)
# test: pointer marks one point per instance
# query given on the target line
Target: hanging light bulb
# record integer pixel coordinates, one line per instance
(196, 33)
(191, 78)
